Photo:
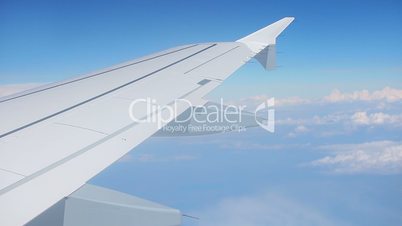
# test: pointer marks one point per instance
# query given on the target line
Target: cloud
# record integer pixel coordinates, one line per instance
(337, 114)
(379, 157)
(300, 129)
(242, 145)
(253, 101)
(6, 90)
(292, 101)
(153, 158)
(358, 118)
(386, 94)
(260, 210)
(363, 118)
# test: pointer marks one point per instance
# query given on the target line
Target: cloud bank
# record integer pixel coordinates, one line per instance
(379, 118)
(260, 210)
(151, 158)
(387, 94)
(379, 157)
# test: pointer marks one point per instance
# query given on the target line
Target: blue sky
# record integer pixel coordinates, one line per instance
(332, 44)
(336, 155)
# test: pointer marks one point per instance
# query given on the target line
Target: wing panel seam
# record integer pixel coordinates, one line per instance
(80, 152)
(211, 59)
(102, 94)
(12, 172)
(82, 128)
(97, 74)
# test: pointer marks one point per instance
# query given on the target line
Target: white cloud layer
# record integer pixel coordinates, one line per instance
(253, 101)
(358, 118)
(148, 158)
(300, 129)
(379, 118)
(379, 157)
(267, 209)
(387, 94)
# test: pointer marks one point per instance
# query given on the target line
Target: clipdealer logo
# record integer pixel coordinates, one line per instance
(147, 110)
(269, 123)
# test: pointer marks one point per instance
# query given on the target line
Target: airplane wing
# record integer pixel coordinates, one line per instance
(55, 138)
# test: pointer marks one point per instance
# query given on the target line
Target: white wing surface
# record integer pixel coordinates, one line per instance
(54, 138)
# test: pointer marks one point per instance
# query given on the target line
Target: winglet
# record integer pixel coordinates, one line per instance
(262, 42)
(267, 35)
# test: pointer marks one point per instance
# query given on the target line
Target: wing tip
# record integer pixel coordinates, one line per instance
(267, 35)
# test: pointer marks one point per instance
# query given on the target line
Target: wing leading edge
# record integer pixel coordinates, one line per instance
(55, 138)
